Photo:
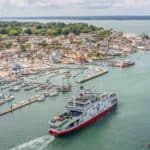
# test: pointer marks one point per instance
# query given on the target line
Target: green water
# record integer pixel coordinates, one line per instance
(125, 128)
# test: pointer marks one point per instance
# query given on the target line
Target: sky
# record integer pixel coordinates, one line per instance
(15, 8)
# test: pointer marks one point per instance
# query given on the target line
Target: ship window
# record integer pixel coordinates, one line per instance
(71, 125)
(53, 126)
(112, 95)
(70, 103)
(75, 113)
(87, 104)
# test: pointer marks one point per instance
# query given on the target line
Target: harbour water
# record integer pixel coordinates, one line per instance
(125, 128)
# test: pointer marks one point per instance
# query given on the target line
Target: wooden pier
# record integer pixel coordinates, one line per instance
(19, 105)
(92, 76)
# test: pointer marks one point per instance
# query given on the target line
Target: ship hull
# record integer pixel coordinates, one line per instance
(84, 124)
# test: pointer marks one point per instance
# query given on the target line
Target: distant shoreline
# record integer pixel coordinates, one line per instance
(78, 18)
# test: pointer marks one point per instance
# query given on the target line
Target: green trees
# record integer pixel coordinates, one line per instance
(28, 31)
(51, 28)
(145, 36)
(39, 26)
(43, 43)
(53, 32)
(66, 30)
(103, 33)
(8, 31)
(13, 32)
(3, 31)
(55, 29)
(8, 45)
(5, 45)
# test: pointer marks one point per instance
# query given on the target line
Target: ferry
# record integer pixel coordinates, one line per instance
(122, 64)
(88, 106)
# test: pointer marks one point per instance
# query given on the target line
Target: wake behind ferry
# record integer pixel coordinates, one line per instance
(85, 108)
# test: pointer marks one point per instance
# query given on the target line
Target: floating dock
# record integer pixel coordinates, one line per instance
(19, 105)
(92, 76)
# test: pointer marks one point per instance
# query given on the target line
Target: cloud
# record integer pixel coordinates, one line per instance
(80, 3)
(2, 3)
(73, 7)
(98, 4)
(44, 3)
(129, 4)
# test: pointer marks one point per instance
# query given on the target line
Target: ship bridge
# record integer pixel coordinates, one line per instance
(83, 101)
(78, 106)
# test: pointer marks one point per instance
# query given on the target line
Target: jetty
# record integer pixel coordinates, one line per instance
(19, 105)
(92, 76)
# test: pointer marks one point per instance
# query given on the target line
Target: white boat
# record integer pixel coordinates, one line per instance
(32, 77)
(41, 98)
(30, 87)
(4, 87)
(15, 88)
(25, 84)
(19, 82)
(65, 88)
(53, 92)
(84, 109)
(1, 96)
(9, 97)
(2, 101)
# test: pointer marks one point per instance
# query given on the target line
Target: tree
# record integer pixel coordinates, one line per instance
(3, 31)
(28, 31)
(8, 45)
(93, 28)
(43, 43)
(145, 36)
(52, 32)
(13, 32)
(102, 34)
(39, 26)
(66, 30)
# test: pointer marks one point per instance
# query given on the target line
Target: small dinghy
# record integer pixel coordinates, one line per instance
(15, 88)
(41, 99)
(9, 97)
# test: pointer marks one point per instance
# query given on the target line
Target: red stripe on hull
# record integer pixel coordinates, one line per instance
(84, 124)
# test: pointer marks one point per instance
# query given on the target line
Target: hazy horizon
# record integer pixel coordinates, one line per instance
(108, 17)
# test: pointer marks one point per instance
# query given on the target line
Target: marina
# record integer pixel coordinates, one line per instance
(46, 89)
